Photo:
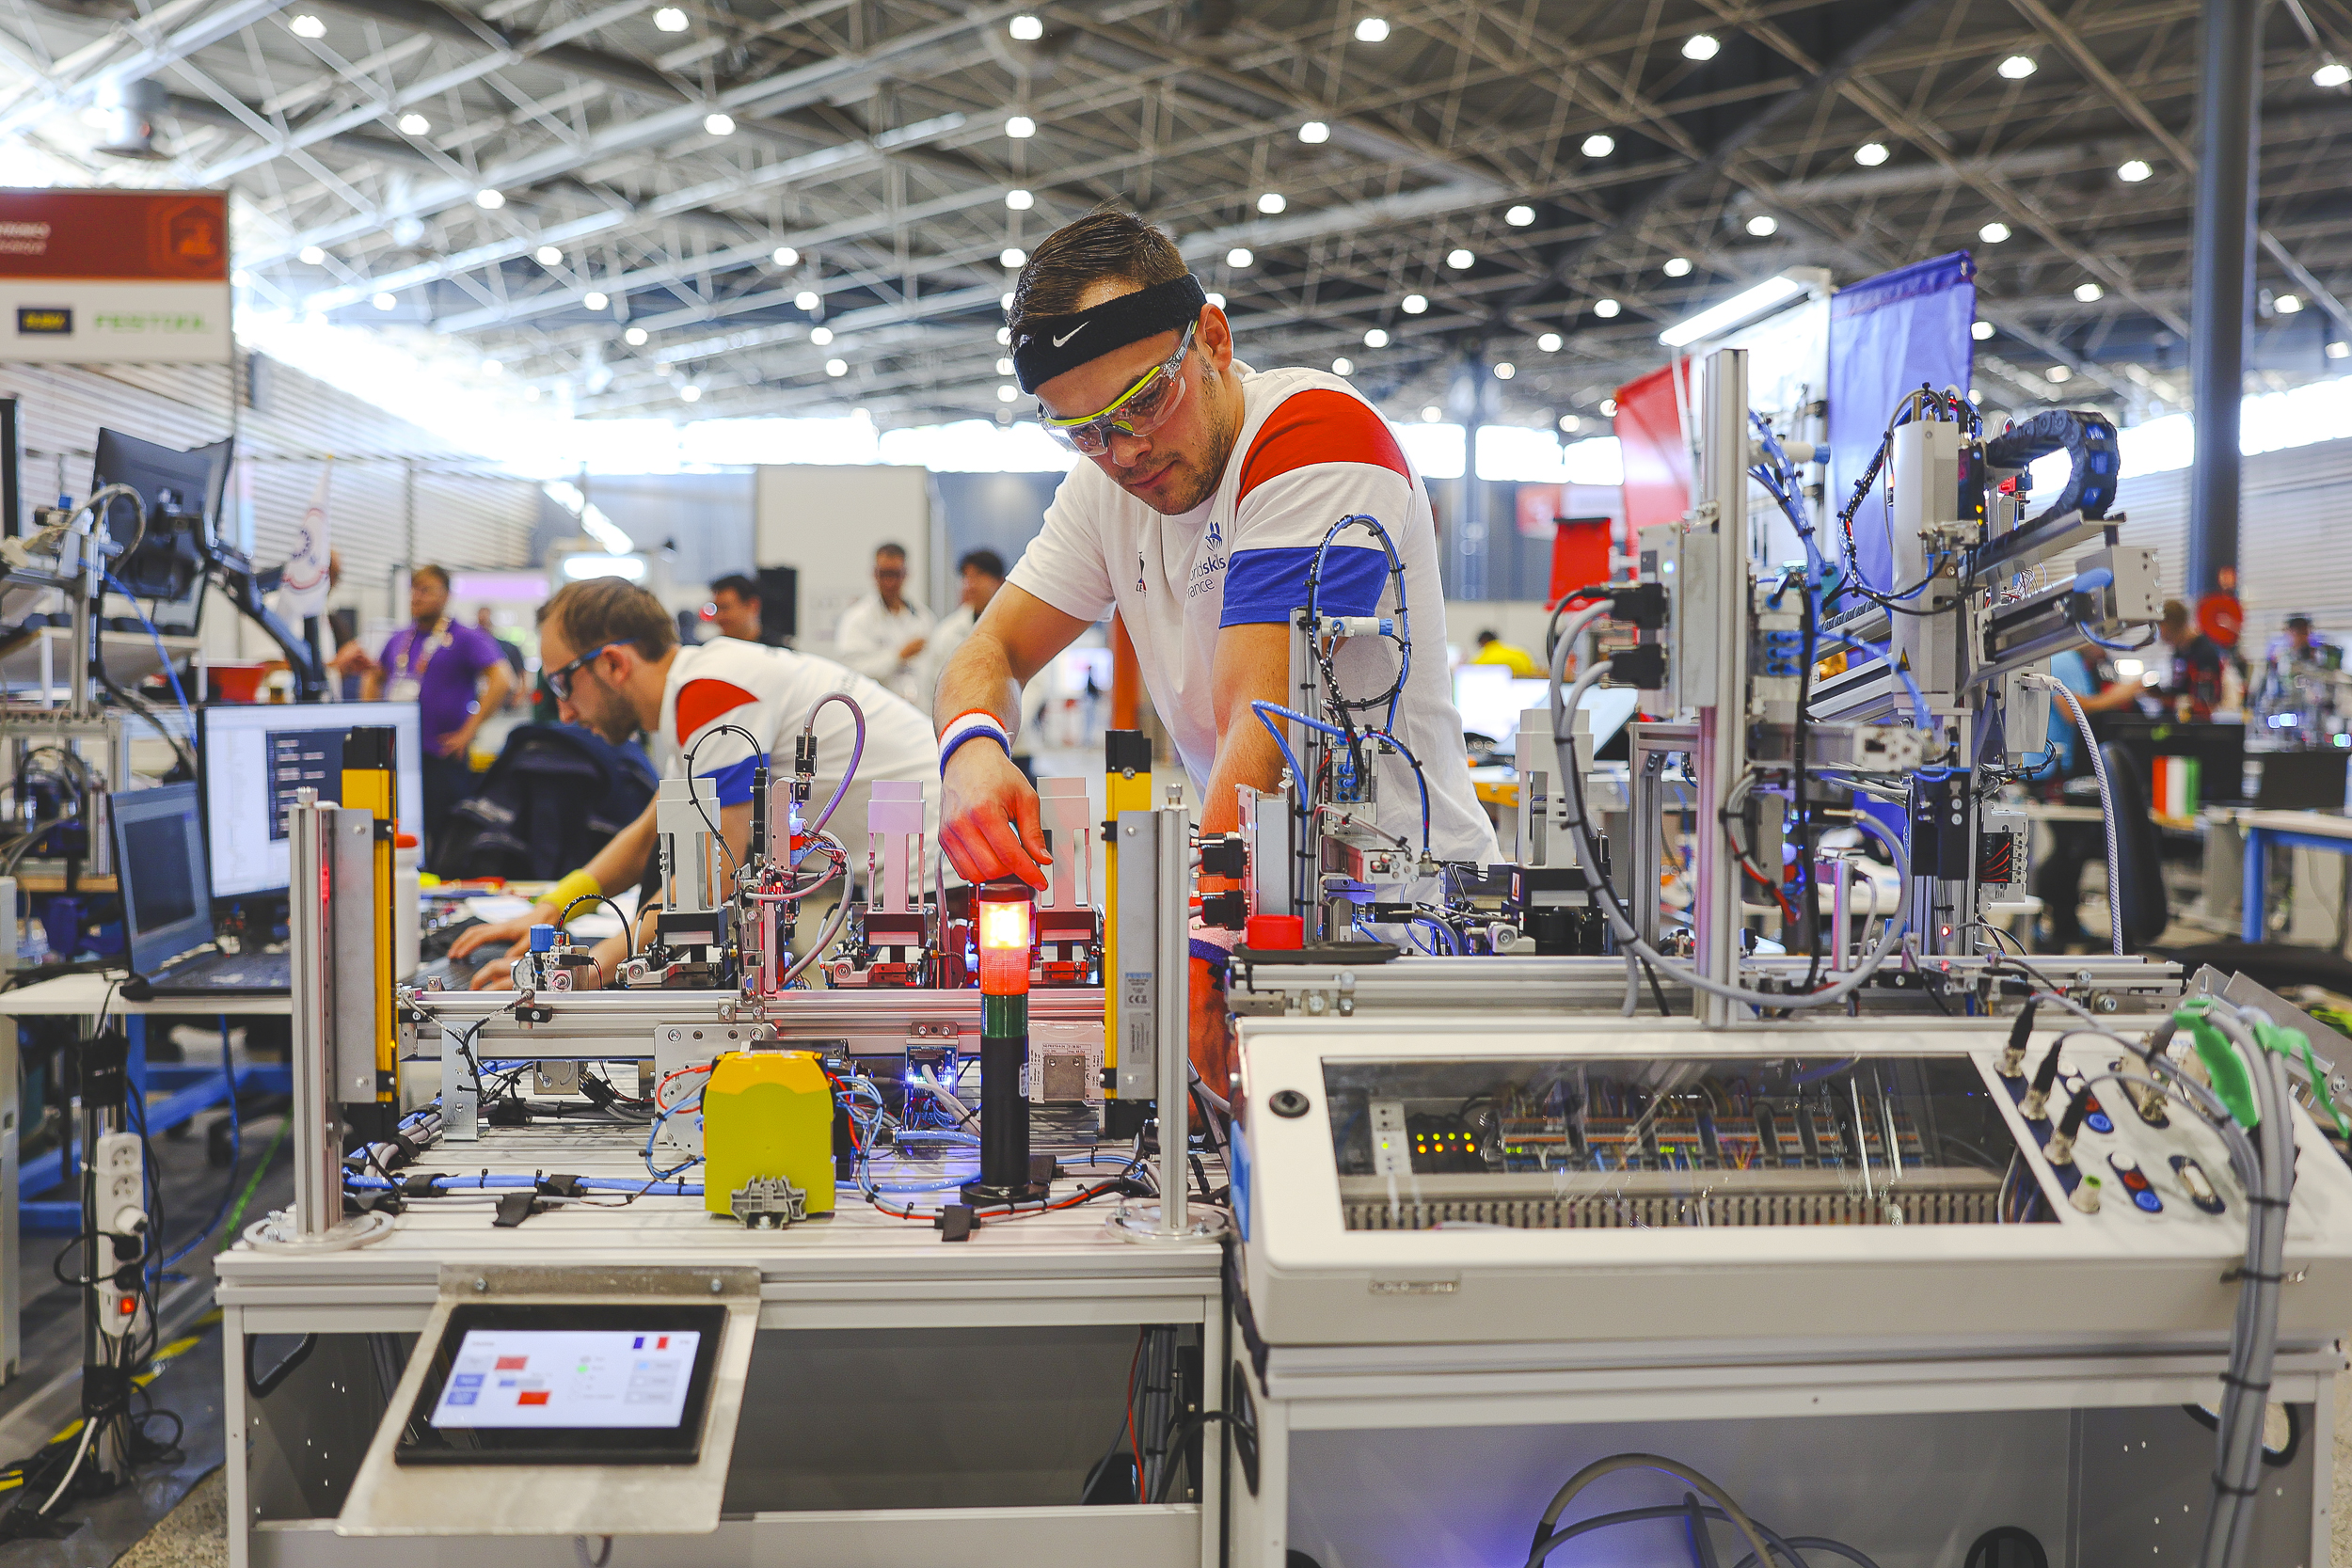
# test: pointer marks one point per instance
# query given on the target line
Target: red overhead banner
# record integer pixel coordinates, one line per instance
(116, 236)
(1656, 462)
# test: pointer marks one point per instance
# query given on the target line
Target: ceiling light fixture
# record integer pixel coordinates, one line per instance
(2287, 305)
(1413, 305)
(1600, 144)
(808, 300)
(2088, 294)
(1217, 299)
(548, 256)
(1678, 267)
(1028, 29)
(1519, 216)
(669, 19)
(1715, 319)
(820, 335)
(1342, 366)
(634, 336)
(836, 367)
(414, 125)
(1013, 256)
(1606, 309)
(2132, 171)
(1020, 128)
(1004, 367)
(1314, 132)
(1548, 343)
(719, 124)
(787, 256)
(384, 302)
(2059, 374)
(1702, 46)
(1272, 203)
(2331, 73)
(307, 27)
(1763, 224)
(1609, 408)
(1376, 338)
(690, 393)
(1980, 331)
(1431, 415)
(1870, 154)
(596, 301)
(1459, 260)
(2018, 67)
(1993, 232)
(313, 256)
(1008, 394)
(1504, 370)
(1240, 256)
(490, 200)
(1020, 201)
(1371, 29)
(1571, 423)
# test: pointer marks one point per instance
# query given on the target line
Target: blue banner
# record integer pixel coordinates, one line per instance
(1887, 336)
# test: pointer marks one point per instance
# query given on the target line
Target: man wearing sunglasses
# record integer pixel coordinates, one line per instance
(614, 664)
(1207, 491)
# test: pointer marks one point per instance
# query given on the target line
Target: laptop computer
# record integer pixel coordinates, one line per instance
(167, 903)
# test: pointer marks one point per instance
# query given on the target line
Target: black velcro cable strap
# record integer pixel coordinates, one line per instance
(516, 1207)
(2088, 441)
(1048, 345)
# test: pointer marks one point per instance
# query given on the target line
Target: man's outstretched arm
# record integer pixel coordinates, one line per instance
(987, 820)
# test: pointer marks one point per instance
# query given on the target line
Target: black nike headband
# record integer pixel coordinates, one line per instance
(1048, 345)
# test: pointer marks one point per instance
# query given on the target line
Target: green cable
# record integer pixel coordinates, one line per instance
(2227, 1070)
(229, 1230)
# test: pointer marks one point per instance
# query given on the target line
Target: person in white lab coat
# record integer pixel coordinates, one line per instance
(882, 636)
(981, 573)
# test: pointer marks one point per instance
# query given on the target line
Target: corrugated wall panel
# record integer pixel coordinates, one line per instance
(399, 494)
(2294, 535)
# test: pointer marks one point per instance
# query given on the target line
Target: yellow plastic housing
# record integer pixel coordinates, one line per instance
(767, 1113)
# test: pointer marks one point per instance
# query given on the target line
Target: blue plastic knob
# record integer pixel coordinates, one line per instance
(542, 938)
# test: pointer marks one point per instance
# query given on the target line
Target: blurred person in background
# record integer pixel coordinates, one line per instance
(438, 664)
(734, 607)
(882, 636)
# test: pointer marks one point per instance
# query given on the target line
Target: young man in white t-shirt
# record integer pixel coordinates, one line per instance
(613, 659)
(1209, 491)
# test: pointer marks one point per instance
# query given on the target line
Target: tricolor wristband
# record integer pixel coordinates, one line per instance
(971, 726)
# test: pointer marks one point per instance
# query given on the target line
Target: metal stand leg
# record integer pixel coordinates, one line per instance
(2251, 889)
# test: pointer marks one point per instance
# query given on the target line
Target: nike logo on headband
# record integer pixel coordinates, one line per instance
(1047, 346)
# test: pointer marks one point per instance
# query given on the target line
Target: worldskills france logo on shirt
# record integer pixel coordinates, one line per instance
(1206, 570)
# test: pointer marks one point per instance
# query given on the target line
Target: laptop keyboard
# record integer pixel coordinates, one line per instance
(228, 972)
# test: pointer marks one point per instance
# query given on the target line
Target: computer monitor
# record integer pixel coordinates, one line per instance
(159, 856)
(182, 492)
(254, 756)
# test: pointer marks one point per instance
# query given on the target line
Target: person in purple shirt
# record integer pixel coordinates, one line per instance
(435, 663)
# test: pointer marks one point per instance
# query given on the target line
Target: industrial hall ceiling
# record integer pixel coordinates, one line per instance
(727, 208)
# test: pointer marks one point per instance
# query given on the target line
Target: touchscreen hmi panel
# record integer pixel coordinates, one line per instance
(546, 1379)
(601, 1383)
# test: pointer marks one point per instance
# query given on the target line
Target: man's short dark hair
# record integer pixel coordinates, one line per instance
(1487, 637)
(438, 574)
(899, 550)
(2175, 616)
(2299, 623)
(738, 584)
(987, 563)
(1109, 244)
(611, 609)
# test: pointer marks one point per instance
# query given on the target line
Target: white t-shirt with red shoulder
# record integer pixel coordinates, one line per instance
(1310, 452)
(769, 692)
